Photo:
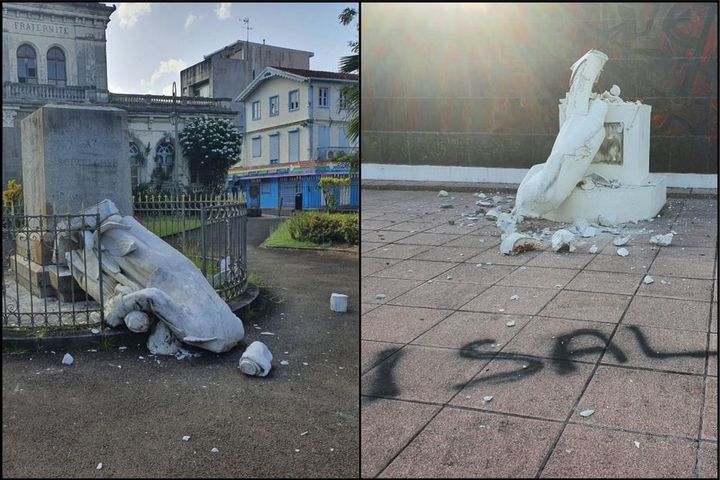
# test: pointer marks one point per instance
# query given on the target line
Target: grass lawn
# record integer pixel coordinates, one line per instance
(281, 238)
(168, 225)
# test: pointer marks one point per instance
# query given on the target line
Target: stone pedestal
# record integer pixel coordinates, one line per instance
(75, 156)
(624, 156)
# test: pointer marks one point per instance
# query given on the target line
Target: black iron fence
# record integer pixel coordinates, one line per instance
(42, 286)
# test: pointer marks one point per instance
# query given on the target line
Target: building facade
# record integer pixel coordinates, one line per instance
(226, 72)
(296, 123)
(56, 53)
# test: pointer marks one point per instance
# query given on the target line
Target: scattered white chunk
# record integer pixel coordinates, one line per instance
(284, 362)
(637, 444)
(379, 296)
(648, 280)
(620, 241)
(99, 466)
(514, 297)
(214, 450)
(623, 252)
(442, 193)
(510, 323)
(304, 433)
(266, 333)
(662, 240)
(562, 239)
(586, 413)
(593, 249)
(95, 331)
(68, 359)
(487, 398)
(186, 438)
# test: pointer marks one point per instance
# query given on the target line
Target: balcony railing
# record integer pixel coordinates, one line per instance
(38, 92)
(129, 99)
(328, 153)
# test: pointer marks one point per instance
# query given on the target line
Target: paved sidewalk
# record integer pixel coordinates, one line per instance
(588, 334)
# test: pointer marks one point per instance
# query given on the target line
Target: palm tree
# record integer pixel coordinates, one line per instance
(351, 64)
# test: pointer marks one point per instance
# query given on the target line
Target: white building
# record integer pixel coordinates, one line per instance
(295, 123)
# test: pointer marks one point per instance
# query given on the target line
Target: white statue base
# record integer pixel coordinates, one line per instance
(626, 203)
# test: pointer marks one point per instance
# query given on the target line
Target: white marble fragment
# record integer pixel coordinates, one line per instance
(517, 243)
(662, 240)
(186, 438)
(256, 360)
(99, 466)
(492, 214)
(586, 413)
(648, 280)
(68, 359)
(442, 193)
(623, 252)
(487, 398)
(620, 241)
(562, 239)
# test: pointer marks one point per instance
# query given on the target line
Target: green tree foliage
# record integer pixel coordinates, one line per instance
(351, 64)
(211, 146)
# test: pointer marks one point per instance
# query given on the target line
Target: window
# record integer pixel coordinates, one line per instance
(323, 98)
(27, 65)
(274, 106)
(165, 154)
(257, 147)
(56, 67)
(134, 164)
(294, 101)
(256, 110)
(342, 100)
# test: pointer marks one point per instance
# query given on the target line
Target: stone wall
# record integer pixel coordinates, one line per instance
(478, 84)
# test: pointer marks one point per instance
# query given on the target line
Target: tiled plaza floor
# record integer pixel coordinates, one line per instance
(438, 338)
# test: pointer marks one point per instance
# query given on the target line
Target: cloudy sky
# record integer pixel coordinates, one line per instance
(149, 43)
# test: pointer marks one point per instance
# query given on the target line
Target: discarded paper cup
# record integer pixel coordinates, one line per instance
(338, 302)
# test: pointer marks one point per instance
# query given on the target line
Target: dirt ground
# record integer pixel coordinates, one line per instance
(130, 410)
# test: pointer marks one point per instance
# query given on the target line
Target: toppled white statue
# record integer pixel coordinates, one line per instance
(145, 279)
(548, 184)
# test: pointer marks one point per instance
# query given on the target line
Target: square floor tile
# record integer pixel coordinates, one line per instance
(714, 318)
(372, 353)
(592, 452)
(448, 254)
(470, 273)
(601, 307)
(456, 229)
(461, 443)
(561, 260)
(416, 269)
(539, 277)
(366, 307)
(644, 401)
(708, 460)
(497, 298)
(692, 262)
(412, 227)
(525, 386)
(466, 329)
(382, 236)
(390, 323)
(605, 282)
(667, 313)
(710, 426)
(561, 339)
(389, 287)
(421, 373)
(475, 241)
(636, 262)
(659, 348)
(394, 250)
(374, 224)
(432, 239)
(440, 295)
(387, 426)
(369, 265)
(494, 257)
(366, 247)
(674, 287)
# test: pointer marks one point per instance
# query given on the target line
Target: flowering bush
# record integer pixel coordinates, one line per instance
(211, 147)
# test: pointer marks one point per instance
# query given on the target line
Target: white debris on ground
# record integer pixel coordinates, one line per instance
(648, 280)
(487, 398)
(593, 249)
(662, 240)
(514, 297)
(620, 241)
(186, 438)
(256, 360)
(586, 413)
(511, 323)
(68, 359)
(214, 450)
(99, 466)
(637, 444)
(623, 252)
(442, 193)
(379, 296)
(562, 240)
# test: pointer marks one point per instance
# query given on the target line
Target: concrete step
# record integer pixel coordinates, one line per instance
(30, 270)
(65, 285)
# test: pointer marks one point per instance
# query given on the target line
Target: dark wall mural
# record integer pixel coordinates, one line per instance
(479, 84)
